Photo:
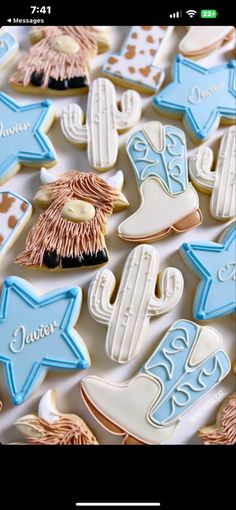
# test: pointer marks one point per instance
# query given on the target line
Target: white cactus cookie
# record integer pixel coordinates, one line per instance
(211, 38)
(128, 317)
(221, 182)
(103, 122)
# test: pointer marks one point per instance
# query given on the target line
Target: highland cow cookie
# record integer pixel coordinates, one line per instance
(128, 317)
(8, 47)
(71, 232)
(15, 211)
(59, 60)
(223, 431)
(199, 41)
(103, 121)
(138, 64)
(37, 334)
(168, 201)
(51, 427)
(188, 362)
(22, 136)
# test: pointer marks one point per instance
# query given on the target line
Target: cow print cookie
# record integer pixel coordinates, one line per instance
(59, 60)
(15, 211)
(137, 65)
(70, 233)
(8, 47)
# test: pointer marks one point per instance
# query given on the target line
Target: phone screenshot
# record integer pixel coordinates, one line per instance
(118, 244)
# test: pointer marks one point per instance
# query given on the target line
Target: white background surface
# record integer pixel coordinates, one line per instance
(27, 182)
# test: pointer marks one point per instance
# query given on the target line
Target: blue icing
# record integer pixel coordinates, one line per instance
(169, 165)
(22, 137)
(49, 320)
(215, 264)
(8, 45)
(202, 95)
(182, 384)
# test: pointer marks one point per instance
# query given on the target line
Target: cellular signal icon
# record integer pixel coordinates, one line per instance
(177, 14)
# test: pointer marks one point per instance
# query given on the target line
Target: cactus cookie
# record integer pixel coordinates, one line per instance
(168, 201)
(222, 182)
(103, 122)
(128, 317)
(188, 362)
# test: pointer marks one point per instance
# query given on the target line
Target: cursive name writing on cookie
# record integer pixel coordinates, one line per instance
(14, 129)
(228, 272)
(196, 94)
(21, 338)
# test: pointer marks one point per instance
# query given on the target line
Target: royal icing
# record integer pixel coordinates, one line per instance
(103, 122)
(128, 317)
(59, 59)
(8, 47)
(22, 135)
(53, 427)
(37, 334)
(168, 200)
(189, 362)
(137, 65)
(201, 96)
(15, 211)
(71, 231)
(215, 264)
(211, 37)
(222, 182)
(224, 430)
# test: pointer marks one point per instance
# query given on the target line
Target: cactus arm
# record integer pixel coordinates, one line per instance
(100, 292)
(200, 169)
(171, 284)
(131, 109)
(72, 125)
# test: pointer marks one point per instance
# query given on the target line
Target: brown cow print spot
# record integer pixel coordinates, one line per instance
(145, 71)
(12, 221)
(131, 70)
(150, 39)
(156, 77)
(23, 206)
(152, 52)
(142, 52)
(112, 60)
(108, 68)
(147, 28)
(6, 203)
(134, 35)
(130, 53)
(1, 238)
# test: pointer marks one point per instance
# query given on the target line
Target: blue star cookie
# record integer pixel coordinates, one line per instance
(203, 97)
(8, 47)
(36, 335)
(215, 264)
(22, 136)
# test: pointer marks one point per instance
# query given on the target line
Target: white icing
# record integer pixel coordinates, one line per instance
(13, 129)
(15, 211)
(47, 407)
(65, 44)
(208, 342)
(46, 177)
(222, 182)
(78, 211)
(116, 181)
(155, 134)
(127, 405)
(196, 94)
(21, 338)
(227, 272)
(128, 318)
(102, 122)
(209, 36)
(158, 210)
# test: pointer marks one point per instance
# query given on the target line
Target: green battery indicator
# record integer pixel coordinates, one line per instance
(209, 13)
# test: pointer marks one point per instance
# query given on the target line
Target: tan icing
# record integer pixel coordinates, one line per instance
(78, 211)
(224, 430)
(65, 44)
(12, 221)
(65, 431)
(6, 202)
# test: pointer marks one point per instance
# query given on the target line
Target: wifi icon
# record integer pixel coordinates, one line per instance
(191, 13)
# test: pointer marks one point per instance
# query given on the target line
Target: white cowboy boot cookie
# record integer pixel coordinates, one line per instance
(188, 362)
(168, 201)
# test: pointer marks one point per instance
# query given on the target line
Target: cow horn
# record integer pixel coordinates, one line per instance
(46, 177)
(116, 181)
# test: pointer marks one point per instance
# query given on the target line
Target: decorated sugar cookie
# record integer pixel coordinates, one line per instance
(187, 363)
(168, 201)
(15, 211)
(37, 334)
(59, 60)
(22, 136)
(128, 317)
(8, 47)
(103, 122)
(199, 41)
(138, 64)
(202, 97)
(221, 182)
(223, 431)
(71, 231)
(215, 265)
(51, 427)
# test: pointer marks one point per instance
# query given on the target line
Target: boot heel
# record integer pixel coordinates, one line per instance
(192, 220)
